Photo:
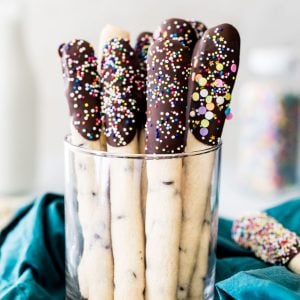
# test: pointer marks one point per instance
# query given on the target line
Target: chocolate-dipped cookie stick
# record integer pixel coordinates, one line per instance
(179, 30)
(268, 239)
(95, 271)
(119, 71)
(141, 49)
(199, 27)
(167, 79)
(215, 63)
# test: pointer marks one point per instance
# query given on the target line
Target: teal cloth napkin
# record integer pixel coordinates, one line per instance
(32, 252)
(240, 275)
(32, 257)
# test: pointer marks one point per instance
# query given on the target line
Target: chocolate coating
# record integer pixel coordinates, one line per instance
(120, 80)
(143, 42)
(215, 63)
(82, 84)
(168, 66)
(179, 30)
(199, 27)
(141, 49)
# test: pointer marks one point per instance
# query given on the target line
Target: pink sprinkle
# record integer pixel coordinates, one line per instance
(219, 83)
(233, 68)
(229, 116)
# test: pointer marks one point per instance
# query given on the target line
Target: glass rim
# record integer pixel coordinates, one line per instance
(75, 148)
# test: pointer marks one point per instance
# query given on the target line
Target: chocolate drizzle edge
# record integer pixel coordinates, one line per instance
(79, 66)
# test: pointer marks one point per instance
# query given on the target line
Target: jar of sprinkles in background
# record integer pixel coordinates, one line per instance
(268, 159)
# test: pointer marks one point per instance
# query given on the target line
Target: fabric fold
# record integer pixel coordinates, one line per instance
(32, 252)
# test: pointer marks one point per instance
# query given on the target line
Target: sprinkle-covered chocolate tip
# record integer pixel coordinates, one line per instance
(168, 66)
(267, 238)
(141, 48)
(215, 63)
(179, 30)
(199, 27)
(79, 67)
(119, 74)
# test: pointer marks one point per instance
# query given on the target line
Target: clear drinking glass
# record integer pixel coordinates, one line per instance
(132, 219)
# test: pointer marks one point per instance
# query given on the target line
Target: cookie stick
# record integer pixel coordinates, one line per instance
(167, 78)
(198, 282)
(118, 74)
(214, 67)
(268, 239)
(141, 49)
(179, 30)
(195, 198)
(95, 270)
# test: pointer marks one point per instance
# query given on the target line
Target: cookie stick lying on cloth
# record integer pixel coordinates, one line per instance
(95, 271)
(118, 74)
(215, 62)
(268, 239)
(168, 71)
(179, 30)
(199, 27)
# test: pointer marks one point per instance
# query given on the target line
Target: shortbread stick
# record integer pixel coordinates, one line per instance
(198, 281)
(143, 42)
(197, 173)
(97, 219)
(197, 177)
(168, 66)
(214, 67)
(119, 71)
(179, 30)
(268, 239)
(95, 271)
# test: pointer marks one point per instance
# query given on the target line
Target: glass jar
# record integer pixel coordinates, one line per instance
(140, 226)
